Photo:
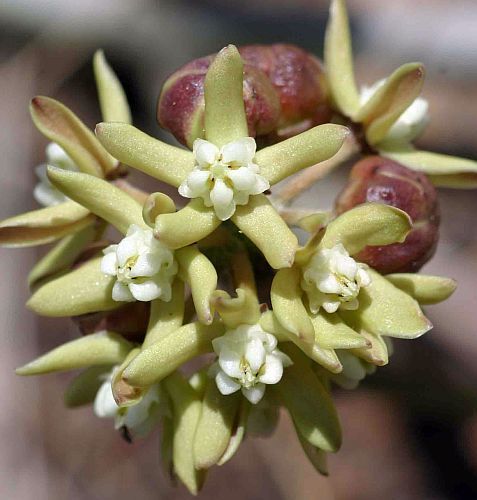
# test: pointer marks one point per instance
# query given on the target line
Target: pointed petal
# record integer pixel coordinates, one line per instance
(103, 348)
(186, 410)
(237, 310)
(443, 170)
(331, 332)
(81, 291)
(112, 99)
(44, 225)
(62, 255)
(423, 288)
(225, 119)
(309, 404)
(368, 224)
(56, 122)
(388, 103)
(100, 197)
(386, 310)
(377, 354)
(222, 198)
(339, 60)
(304, 150)
(141, 151)
(189, 225)
(165, 317)
(83, 388)
(261, 223)
(163, 357)
(216, 419)
(199, 273)
(286, 296)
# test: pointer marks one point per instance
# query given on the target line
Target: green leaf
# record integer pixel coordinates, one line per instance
(187, 226)
(165, 317)
(200, 274)
(83, 388)
(62, 255)
(238, 310)
(112, 99)
(368, 224)
(309, 404)
(390, 100)
(45, 225)
(163, 357)
(260, 222)
(81, 291)
(443, 170)
(338, 55)
(377, 354)
(100, 197)
(425, 289)
(102, 348)
(225, 119)
(304, 150)
(215, 426)
(286, 297)
(124, 394)
(186, 409)
(59, 124)
(141, 151)
(386, 310)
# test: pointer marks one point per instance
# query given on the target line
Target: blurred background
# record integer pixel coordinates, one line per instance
(410, 431)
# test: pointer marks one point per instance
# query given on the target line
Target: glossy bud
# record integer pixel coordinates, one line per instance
(284, 92)
(378, 179)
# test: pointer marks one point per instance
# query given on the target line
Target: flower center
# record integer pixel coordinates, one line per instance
(123, 272)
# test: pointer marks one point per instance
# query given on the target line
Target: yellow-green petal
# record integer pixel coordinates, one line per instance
(45, 225)
(338, 55)
(83, 388)
(286, 296)
(425, 289)
(102, 348)
(157, 204)
(238, 432)
(390, 100)
(61, 125)
(81, 291)
(112, 98)
(304, 150)
(100, 197)
(316, 456)
(443, 170)
(387, 310)
(215, 426)
(372, 224)
(163, 357)
(243, 309)
(186, 409)
(331, 332)
(62, 255)
(165, 317)
(309, 404)
(225, 119)
(260, 222)
(141, 151)
(187, 226)
(377, 354)
(200, 274)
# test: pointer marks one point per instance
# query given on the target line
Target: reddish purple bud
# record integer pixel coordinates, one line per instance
(284, 90)
(377, 179)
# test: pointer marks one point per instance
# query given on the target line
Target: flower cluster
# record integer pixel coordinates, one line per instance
(181, 284)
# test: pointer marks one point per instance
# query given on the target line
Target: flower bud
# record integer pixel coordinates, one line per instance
(283, 88)
(378, 179)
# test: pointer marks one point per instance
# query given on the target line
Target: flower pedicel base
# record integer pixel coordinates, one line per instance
(186, 285)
